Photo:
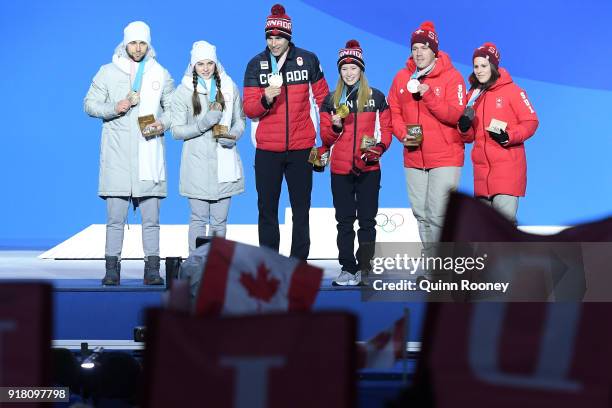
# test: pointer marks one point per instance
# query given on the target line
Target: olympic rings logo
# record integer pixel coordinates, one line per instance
(389, 224)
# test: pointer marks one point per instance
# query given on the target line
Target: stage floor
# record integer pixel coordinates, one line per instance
(28, 265)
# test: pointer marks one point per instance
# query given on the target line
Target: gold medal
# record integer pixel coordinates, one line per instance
(342, 111)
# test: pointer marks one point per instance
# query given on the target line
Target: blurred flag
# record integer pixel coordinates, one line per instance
(505, 354)
(243, 279)
(384, 349)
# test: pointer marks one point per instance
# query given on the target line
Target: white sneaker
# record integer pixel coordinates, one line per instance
(347, 279)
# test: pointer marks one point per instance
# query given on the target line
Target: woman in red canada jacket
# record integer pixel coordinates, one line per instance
(500, 166)
(348, 114)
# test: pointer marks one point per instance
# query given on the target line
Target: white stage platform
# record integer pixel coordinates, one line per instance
(89, 243)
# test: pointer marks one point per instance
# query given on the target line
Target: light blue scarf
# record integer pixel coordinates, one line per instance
(212, 95)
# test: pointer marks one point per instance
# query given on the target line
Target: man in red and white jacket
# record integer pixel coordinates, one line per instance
(279, 85)
(429, 92)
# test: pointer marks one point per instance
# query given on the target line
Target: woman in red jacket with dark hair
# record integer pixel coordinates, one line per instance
(498, 119)
(349, 114)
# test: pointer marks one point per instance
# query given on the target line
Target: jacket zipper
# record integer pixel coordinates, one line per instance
(485, 143)
(418, 122)
(286, 116)
(354, 137)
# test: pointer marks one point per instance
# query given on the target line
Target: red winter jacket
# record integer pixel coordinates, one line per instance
(287, 123)
(437, 112)
(497, 169)
(346, 153)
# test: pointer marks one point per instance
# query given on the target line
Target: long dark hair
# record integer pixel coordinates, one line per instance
(494, 77)
(195, 99)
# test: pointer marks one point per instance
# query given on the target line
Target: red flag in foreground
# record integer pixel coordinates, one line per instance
(506, 355)
(273, 361)
(469, 220)
(25, 334)
(243, 279)
(384, 349)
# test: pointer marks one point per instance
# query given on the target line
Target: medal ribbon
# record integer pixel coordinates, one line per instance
(277, 65)
(474, 96)
(344, 96)
(417, 74)
(274, 64)
(212, 95)
(138, 78)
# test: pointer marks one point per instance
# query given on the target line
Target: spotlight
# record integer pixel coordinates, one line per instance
(93, 359)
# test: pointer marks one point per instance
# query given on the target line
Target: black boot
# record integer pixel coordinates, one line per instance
(151, 271)
(113, 271)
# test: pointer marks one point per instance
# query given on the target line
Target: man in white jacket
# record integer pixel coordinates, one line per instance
(132, 167)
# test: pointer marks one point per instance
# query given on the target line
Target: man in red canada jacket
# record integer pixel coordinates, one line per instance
(278, 84)
(429, 92)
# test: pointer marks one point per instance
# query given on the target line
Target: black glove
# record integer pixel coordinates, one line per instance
(465, 121)
(337, 130)
(501, 138)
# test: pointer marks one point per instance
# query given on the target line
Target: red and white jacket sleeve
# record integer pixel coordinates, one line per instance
(397, 120)
(526, 117)
(328, 131)
(319, 86)
(386, 126)
(449, 109)
(254, 103)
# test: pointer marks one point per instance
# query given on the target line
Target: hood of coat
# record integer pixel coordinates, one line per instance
(188, 77)
(443, 64)
(504, 79)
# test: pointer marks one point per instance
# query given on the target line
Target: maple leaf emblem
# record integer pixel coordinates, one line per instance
(262, 287)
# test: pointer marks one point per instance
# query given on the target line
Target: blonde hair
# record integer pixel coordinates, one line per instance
(363, 95)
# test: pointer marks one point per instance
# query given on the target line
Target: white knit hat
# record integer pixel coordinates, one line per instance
(202, 50)
(136, 31)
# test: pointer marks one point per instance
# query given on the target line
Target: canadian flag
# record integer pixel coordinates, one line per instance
(243, 279)
(384, 349)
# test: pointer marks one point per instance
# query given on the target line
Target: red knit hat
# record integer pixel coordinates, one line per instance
(351, 54)
(278, 23)
(426, 34)
(489, 51)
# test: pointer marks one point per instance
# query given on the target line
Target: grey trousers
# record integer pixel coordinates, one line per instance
(207, 212)
(116, 214)
(429, 191)
(506, 205)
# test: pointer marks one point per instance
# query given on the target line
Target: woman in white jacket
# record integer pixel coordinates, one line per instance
(211, 170)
